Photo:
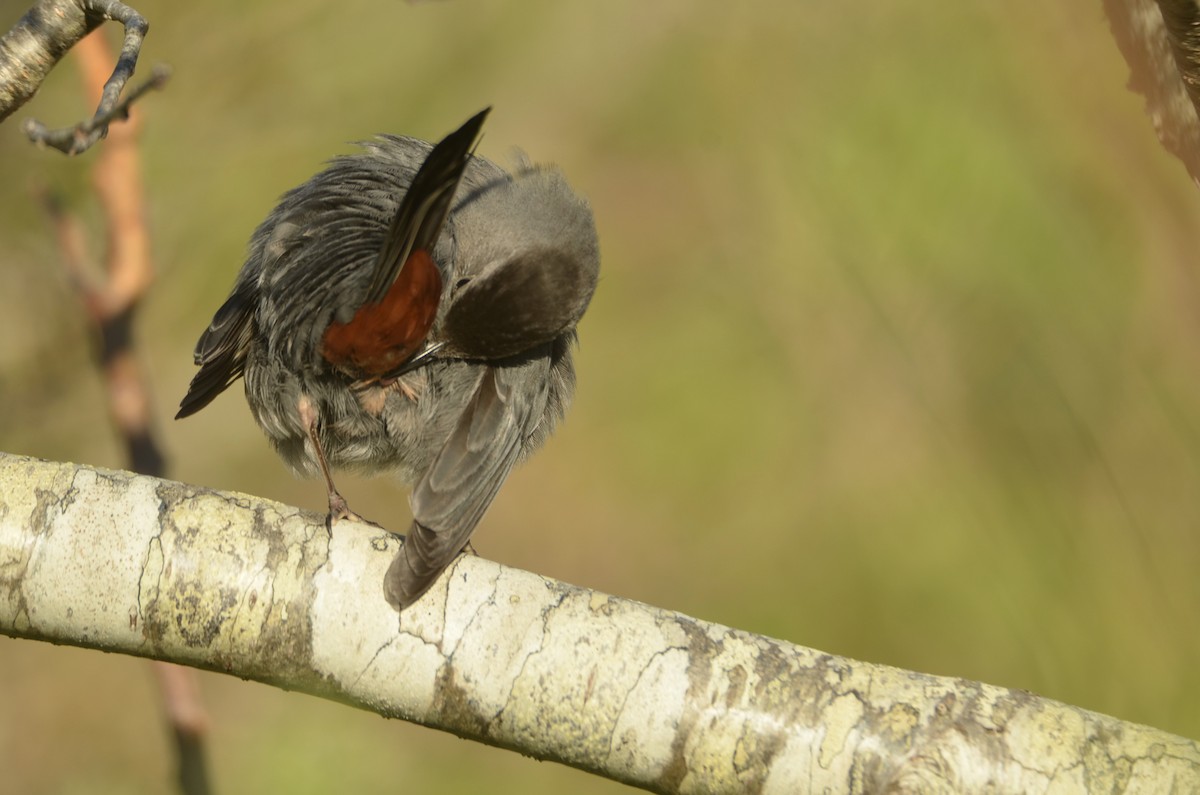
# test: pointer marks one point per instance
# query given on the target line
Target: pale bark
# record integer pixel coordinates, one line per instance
(232, 583)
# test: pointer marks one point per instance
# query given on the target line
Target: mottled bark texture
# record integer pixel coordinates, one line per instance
(228, 582)
(1160, 40)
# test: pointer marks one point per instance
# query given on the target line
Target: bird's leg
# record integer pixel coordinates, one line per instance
(338, 507)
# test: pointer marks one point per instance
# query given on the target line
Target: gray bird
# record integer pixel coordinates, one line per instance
(411, 309)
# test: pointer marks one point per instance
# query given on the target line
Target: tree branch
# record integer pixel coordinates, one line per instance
(232, 583)
(41, 37)
(110, 300)
(1160, 40)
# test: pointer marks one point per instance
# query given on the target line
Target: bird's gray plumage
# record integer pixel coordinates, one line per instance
(518, 258)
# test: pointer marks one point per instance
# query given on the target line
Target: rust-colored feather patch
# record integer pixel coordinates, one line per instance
(384, 335)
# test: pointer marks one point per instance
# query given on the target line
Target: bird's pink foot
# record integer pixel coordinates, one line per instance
(339, 510)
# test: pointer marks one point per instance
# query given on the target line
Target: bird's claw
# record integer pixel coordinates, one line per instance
(339, 510)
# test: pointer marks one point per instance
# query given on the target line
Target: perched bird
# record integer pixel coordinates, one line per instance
(411, 309)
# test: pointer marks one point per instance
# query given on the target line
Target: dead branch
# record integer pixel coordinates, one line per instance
(42, 36)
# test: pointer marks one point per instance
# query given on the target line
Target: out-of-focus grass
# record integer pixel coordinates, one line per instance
(895, 352)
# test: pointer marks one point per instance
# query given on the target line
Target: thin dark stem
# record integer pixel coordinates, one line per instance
(81, 137)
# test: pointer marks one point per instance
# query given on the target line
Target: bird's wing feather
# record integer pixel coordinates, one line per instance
(425, 205)
(221, 350)
(401, 302)
(518, 303)
(453, 495)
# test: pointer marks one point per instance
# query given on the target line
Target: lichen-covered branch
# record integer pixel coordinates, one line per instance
(232, 583)
(42, 36)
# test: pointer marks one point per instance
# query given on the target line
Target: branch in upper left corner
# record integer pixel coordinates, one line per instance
(41, 37)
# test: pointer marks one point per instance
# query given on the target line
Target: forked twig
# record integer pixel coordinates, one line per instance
(81, 137)
(42, 36)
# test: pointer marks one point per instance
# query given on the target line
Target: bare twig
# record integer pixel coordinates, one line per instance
(42, 36)
(111, 298)
(80, 138)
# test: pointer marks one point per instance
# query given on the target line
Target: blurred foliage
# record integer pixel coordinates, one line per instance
(896, 351)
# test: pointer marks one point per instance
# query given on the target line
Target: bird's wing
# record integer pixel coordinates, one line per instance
(402, 300)
(518, 303)
(221, 351)
(451, 498)
(425, 205)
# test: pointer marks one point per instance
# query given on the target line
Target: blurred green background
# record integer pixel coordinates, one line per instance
(896, 351)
